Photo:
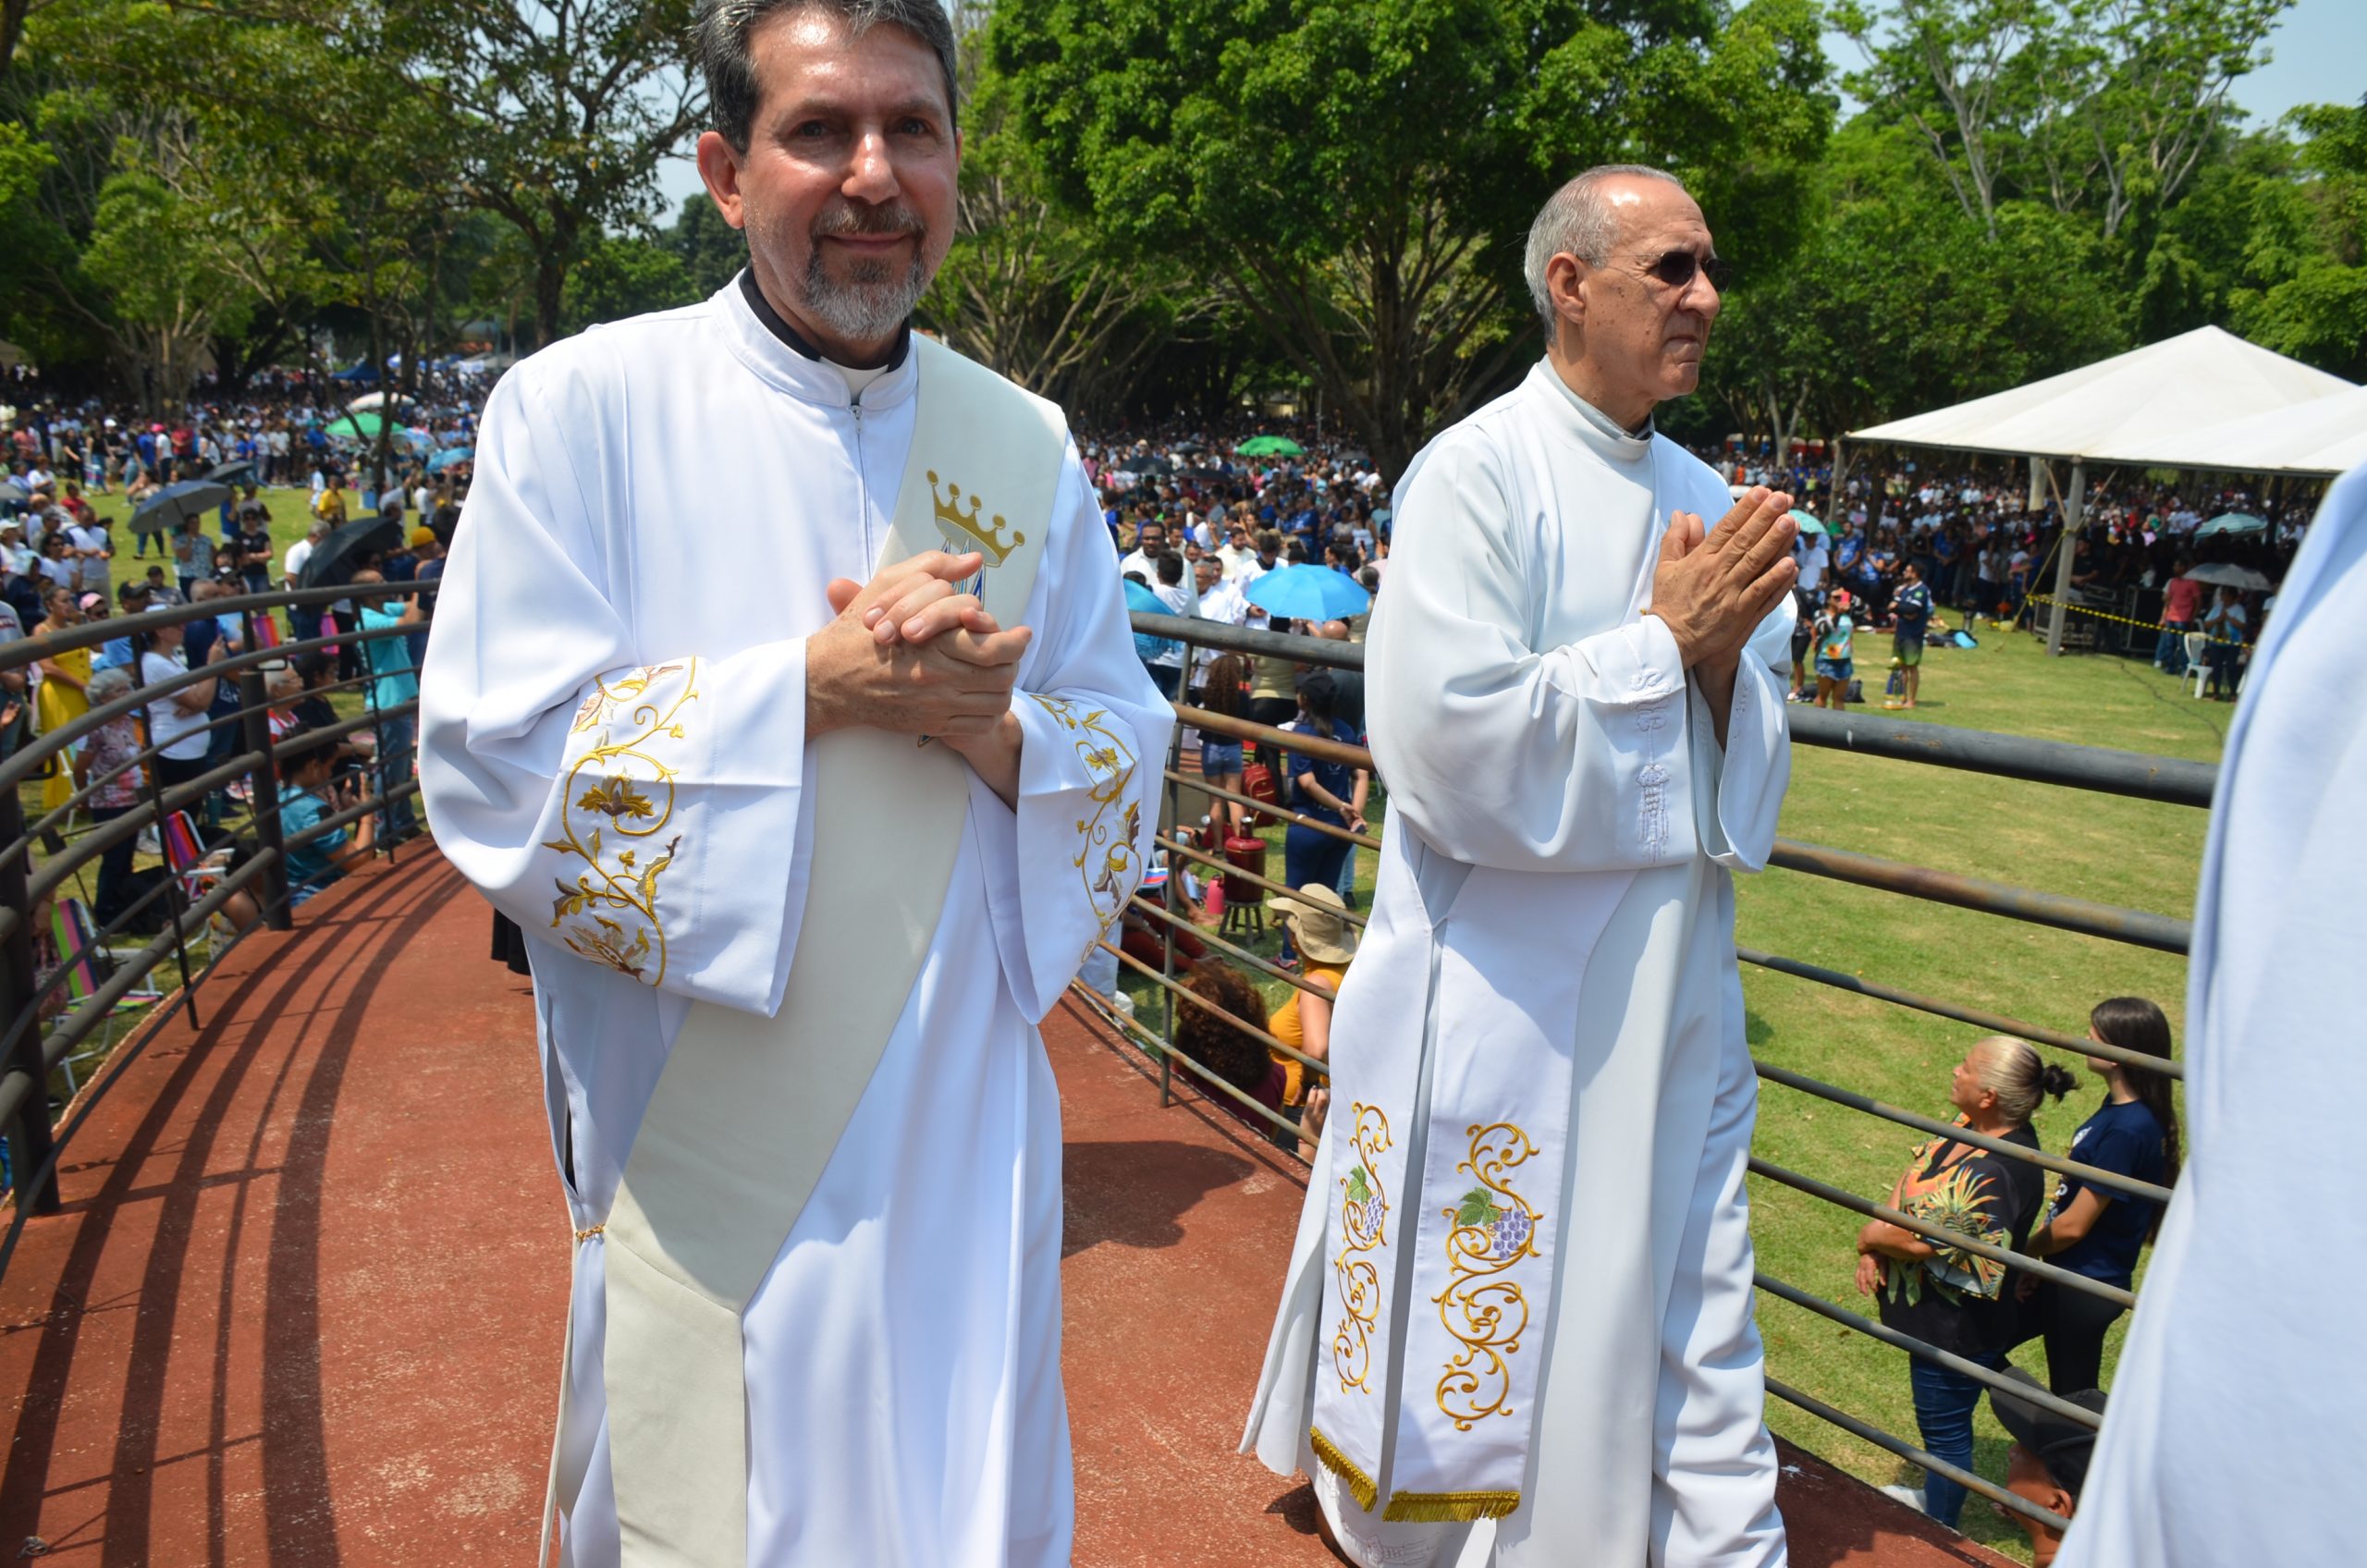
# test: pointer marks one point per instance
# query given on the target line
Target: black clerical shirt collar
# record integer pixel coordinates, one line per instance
(775, 324)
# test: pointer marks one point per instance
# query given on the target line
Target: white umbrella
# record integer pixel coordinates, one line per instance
(375, 399)
(2225, 575)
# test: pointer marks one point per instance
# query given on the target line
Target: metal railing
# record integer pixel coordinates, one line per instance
(2127, 774)
(43, 1035)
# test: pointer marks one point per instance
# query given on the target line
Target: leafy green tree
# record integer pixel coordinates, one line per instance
(564, 110)
(625, 276)
(1358, 175)
(712, 252)
(2311, 252)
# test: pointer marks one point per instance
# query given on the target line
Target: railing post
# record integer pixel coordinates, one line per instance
(1166, 891)
(29, 1139)
(262, 793)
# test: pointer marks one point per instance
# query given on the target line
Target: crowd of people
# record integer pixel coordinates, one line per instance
(64, 563)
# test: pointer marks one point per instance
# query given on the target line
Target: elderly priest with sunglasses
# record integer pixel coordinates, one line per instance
(782, 693)
(1517, 1325)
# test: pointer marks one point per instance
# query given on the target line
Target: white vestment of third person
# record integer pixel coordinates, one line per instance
(2236, 1418)
(1540, 1054)
(658, 507)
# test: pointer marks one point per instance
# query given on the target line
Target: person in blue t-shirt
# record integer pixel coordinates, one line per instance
(2092, 1230)
(395, 682)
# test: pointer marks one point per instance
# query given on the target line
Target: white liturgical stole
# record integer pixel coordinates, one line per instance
(749, 1108)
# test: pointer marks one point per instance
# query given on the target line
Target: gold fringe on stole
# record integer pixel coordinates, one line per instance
(1360, 1485)
(1448, 1507)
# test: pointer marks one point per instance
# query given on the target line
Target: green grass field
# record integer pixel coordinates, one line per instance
(2104, 848)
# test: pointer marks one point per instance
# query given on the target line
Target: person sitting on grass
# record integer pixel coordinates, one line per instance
(1222, 1045)
(1833, 630)
(310, 793)
(1951, 1298)
(2047, 1462)
(1324, 939)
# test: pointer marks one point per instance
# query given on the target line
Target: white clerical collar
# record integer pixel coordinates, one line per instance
(1592, 426)
(797, 369)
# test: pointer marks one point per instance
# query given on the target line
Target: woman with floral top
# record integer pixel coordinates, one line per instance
(1951, 1298)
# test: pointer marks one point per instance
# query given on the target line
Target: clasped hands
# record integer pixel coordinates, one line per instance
(1713, 589)
(909, 653)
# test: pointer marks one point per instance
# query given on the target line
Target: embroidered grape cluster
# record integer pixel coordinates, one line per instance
(1364, 1200)
(1507, 1229)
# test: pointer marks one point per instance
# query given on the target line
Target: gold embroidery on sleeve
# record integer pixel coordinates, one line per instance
(617, 798)
(1364, 1225)
(1109, 855)
(1491, 1230)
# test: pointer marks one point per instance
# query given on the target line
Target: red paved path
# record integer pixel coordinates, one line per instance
(303, 1305)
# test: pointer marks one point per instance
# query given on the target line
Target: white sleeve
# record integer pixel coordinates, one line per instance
(1061, 866)
(1738, 791)
(641, 812)
(1563, 759)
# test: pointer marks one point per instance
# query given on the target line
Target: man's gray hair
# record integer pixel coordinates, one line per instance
(719, 41)
(1577, 220)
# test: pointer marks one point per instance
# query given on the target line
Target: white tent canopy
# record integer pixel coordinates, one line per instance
(2159, 404)
(2147, 400)
(2325, 435)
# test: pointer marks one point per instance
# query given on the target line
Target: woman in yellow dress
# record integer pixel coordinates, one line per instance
(63, 678)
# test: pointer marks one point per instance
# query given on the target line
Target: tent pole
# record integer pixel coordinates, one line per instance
(2073, 508)
(2038, 485)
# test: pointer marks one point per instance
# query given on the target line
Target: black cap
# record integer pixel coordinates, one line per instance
(2057, 1441)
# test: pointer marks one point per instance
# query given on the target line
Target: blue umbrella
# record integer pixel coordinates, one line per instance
(449, 456)
(1309, 593)
(2232, 522)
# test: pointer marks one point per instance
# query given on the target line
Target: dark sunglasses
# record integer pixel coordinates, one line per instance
(1676, 268)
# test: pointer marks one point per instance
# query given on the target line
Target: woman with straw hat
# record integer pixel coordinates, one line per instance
(1317, 922)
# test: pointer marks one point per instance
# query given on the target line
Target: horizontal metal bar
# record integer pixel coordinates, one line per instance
(1301, 982)
(2095, 1176)
(1918, 1457)
(1953, 1238)
(1876, 1330)
(1263, 1036)
(2113, 923)
(1216, 634)
(91, 633)
(17, 1087)
(1169, 1052)
(368, 805)
(1194, 781)
(1176, 848)
(2173, 780)
(1345, 754)
(1993, 1022)
(51, 874)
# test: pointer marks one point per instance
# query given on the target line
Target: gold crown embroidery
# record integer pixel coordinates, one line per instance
(962, 530)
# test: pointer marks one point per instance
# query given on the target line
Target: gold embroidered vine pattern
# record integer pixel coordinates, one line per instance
(1109, 857)
(619, 797)
(1493, 1229)
(1364, 1225)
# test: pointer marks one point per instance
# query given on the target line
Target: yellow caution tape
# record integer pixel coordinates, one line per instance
(2147, 625)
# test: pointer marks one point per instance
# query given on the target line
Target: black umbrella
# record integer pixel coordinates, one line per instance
(334, 560)
(240, 472)
(168, 508)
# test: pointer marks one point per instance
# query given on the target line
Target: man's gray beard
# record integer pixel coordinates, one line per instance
(871, 304)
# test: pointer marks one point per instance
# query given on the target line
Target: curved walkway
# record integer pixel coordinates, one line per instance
(302, 1306)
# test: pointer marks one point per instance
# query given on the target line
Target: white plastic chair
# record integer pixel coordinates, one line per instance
(2195, 643)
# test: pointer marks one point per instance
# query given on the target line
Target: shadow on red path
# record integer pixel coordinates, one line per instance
(303, 1305)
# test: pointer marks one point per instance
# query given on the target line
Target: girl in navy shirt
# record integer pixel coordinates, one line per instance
(2094, 1230)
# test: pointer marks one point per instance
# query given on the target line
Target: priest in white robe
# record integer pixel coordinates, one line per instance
(1516, 1327)
(2236, 1417)
(665, 609)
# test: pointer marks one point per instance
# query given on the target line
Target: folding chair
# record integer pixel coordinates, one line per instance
(198, 870)
(2195, 643)
(74, 936)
